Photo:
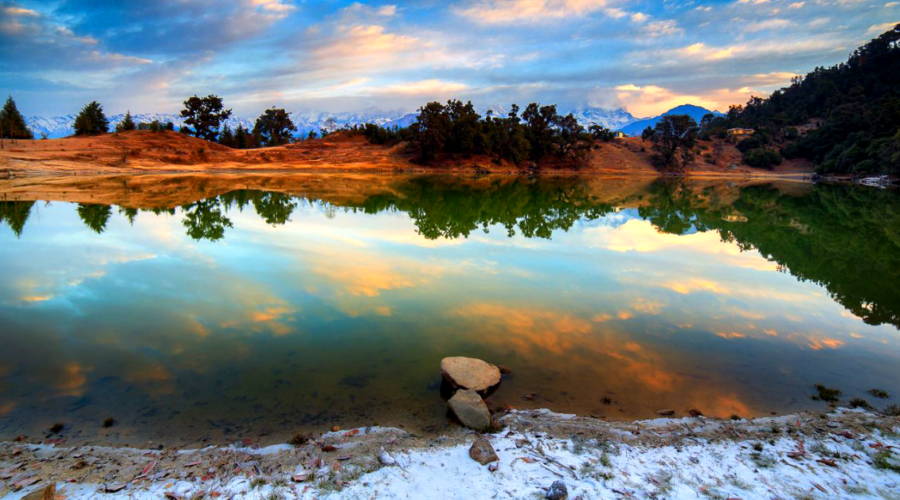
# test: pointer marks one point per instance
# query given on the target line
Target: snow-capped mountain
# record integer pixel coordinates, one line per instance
(62, 126)
(613, 119)
(306, 121)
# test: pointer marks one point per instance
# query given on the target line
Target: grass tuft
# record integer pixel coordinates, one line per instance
(826, 394)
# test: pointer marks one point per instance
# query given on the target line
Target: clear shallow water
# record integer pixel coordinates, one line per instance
(225, 314)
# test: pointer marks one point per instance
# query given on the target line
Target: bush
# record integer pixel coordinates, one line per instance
(762, 158)
(748, 144)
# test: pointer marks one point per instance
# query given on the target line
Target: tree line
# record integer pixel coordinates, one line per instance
(539, 134)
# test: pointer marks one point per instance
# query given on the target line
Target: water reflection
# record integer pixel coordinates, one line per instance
(226, 312)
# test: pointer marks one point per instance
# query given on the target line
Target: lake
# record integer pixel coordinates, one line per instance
(197, 309)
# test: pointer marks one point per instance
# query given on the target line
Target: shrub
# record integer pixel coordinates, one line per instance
(762, 158)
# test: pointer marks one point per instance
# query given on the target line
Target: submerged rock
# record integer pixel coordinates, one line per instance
(470, 409)
(557, 491)
(470, 373)
(482, 452)
(665, 412)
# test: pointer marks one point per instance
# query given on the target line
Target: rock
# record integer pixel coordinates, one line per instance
(482, 452)
(115, 488)
(665, 412)
(470, 409)
(470, 373)
(385, 458)
(557, 491)
(48, 493)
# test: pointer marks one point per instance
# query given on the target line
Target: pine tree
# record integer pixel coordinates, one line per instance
(126, 124)
(226, 138)
(12, 123)
(91, 120)
(240, 137)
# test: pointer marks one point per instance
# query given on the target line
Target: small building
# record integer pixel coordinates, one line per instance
(619, 135)
(740, 131)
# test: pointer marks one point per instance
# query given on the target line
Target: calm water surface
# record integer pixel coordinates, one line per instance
(193, 311)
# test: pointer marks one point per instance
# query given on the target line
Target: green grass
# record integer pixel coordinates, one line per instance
(885, 460)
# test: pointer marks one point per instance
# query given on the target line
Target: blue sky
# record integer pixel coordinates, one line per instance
(334, 55)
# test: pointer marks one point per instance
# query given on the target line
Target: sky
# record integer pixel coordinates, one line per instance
(335, 55)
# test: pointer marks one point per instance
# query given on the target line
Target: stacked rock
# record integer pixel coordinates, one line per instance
(471, 378)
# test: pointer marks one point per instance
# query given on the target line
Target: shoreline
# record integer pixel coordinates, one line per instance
(845, 453)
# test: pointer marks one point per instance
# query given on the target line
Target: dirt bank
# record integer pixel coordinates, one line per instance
(169, 152)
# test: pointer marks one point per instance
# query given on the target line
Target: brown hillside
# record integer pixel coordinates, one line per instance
(166, 152)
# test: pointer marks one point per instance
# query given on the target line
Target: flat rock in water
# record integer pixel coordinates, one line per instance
(482, 452)
(557, 491)
(470, 409)
(470, 373)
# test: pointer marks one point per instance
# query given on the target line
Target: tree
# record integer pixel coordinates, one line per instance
(274, 127)
(431, 131)
(464, 128)
(539, 121)
(184, 130)
(241, 141)
(569, 134)
(226, 138)
(204, 220)
(601, 133)
(91, 120)
(673, 140)
(15, 213)
(205, 115)
(126, 124)
(94, 216)
(12, 123)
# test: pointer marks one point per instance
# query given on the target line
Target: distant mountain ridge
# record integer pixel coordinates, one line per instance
(695, 112)
(63, 126)
(306, 121)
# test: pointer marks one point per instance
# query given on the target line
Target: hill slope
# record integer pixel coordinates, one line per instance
(846, 118)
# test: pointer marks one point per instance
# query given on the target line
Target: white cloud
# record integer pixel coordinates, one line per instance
(510, 11)
(768, 24)
(431, 87)
(667, 27)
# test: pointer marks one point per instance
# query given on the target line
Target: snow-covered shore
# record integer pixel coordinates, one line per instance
(842, 454)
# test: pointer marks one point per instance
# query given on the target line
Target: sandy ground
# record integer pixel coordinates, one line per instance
(168, 152)
(840, 454)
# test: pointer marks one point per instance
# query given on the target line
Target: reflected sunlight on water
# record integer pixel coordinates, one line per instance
(233, 313)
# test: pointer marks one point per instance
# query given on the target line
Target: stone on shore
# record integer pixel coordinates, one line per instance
(557, 491)
(482, 452)
(470, 409)
(470, 373)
